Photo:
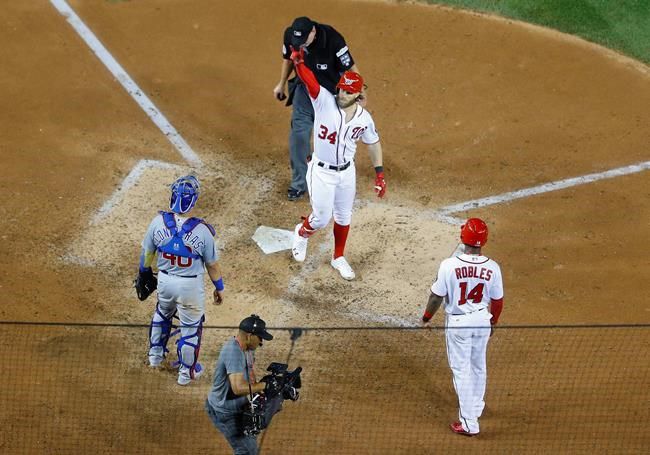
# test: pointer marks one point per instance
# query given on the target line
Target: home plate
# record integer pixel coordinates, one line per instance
(272, 240)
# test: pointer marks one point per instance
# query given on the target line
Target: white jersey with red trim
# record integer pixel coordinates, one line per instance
(335, 140)
(469, 282)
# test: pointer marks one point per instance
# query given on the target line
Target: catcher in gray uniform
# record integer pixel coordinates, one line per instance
(184, 247)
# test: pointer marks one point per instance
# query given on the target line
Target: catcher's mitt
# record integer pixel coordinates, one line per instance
(145, 283)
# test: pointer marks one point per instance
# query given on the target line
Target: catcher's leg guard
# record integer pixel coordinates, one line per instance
(159, 332)
(187, 347)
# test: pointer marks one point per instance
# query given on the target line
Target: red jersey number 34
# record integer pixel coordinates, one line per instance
(328, 137)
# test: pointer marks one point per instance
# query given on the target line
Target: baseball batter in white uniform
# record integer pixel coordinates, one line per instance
(339, 123)
(185, 248)
(473, 288)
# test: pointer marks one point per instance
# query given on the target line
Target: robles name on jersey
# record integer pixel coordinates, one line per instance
(473, 272)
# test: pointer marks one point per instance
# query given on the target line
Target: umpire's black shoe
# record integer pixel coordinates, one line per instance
(294, 194)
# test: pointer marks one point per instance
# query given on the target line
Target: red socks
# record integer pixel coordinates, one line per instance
(340, 237)
(305, 230)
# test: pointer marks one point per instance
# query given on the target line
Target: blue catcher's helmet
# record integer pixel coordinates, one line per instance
(185, 192)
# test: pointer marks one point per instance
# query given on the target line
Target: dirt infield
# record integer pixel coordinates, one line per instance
(467, 106)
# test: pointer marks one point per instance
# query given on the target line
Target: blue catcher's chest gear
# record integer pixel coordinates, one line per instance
(175, 245)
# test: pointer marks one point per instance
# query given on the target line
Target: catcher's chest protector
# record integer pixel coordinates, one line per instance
(175, 245)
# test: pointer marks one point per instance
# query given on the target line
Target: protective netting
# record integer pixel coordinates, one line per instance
(87, 389)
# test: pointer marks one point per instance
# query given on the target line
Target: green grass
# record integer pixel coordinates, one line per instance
(622, 25)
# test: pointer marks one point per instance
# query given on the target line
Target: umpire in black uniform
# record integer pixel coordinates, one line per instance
(328, 56)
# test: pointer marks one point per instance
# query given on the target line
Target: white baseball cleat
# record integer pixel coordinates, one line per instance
(299, 245)
(343, 267)
(184, 376)
(155, 361)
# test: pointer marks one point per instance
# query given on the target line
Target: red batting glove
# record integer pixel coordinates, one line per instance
(297, 56)
(380, 184)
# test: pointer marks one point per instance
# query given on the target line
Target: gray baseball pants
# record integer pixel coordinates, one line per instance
(302, 124)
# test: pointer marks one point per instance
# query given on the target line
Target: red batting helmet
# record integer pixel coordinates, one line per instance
(350, 82)
(474, 232)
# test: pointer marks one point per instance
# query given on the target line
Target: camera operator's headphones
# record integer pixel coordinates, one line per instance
(256, 318)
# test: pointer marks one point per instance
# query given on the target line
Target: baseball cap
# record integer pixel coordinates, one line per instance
(255, 325)
(300, 30)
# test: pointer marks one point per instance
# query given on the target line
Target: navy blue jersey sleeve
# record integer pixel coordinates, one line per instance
(344, 60)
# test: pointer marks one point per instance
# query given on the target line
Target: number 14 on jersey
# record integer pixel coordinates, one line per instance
(475, 295)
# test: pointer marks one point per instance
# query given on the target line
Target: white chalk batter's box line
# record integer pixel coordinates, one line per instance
(444, 213)
(129, 181)
(157, 117)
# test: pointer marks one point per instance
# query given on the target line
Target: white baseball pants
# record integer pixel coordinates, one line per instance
(331, 193)
(467, 338)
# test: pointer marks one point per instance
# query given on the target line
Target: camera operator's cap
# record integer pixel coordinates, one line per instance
(300, 30)
(255, 325)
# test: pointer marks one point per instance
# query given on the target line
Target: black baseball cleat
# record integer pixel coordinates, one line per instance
(293, 194)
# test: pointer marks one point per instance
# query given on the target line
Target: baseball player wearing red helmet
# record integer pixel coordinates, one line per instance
(473, 287)
(340, 122)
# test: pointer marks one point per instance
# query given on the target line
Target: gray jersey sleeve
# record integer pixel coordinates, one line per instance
(148, 242)
(209, 251)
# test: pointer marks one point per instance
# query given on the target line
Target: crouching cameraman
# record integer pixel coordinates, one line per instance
(234, 381)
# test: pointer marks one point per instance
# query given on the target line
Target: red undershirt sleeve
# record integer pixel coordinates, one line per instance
(307, 76)
(495, 308)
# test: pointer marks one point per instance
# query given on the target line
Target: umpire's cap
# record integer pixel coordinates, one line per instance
(300, 30)
(255, 325)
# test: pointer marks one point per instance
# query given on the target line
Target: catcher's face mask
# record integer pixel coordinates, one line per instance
(185, 192)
